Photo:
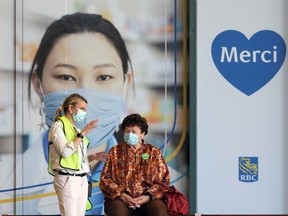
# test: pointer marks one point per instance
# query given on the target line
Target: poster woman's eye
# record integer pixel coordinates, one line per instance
(104, 78)
(66, 78)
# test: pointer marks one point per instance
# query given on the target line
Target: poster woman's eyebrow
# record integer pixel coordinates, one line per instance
(76, 68)
(104, 66)
(66, 66)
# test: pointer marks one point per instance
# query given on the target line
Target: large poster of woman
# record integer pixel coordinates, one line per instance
(134, 65)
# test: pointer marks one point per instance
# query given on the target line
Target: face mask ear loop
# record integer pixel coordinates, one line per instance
(42, 109)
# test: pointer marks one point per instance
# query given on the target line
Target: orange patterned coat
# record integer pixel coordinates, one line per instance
(127, 171)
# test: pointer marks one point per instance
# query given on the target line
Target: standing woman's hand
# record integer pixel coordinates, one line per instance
(99, 156)
(91, 125)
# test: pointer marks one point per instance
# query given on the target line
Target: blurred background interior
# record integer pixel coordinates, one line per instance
(153, 32)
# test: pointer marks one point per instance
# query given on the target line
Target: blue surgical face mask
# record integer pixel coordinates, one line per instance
(131, 138)
(79, 116)
(104, 106)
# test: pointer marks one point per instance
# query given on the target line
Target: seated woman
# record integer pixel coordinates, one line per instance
(128, 174)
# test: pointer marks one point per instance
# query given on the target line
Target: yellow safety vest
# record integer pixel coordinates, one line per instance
(71, 162)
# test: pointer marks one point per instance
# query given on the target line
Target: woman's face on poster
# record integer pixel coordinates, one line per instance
(84, 60)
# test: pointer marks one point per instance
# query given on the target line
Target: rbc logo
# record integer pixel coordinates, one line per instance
(248, 169)
(248, 65)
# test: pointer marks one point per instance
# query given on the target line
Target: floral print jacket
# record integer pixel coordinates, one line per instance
(133, 172)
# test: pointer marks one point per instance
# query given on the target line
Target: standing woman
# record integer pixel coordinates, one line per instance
(68, 159)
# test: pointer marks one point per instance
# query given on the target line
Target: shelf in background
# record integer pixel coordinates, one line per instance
(21, 143)
(158, 83)
(21, 67)
(162, 38)
(162, 128)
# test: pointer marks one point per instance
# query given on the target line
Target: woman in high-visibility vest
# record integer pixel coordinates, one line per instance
(68, 159)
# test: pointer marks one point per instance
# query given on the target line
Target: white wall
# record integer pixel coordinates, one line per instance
(231, 124)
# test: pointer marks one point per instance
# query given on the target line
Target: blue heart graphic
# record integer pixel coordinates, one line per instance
(248, 64)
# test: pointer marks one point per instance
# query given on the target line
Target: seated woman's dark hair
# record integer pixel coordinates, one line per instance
(135, 120)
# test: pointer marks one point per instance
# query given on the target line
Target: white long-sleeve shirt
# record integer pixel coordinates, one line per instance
(61, 147)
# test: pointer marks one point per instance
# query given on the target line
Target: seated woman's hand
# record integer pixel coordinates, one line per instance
(128, 200)
(141, 200)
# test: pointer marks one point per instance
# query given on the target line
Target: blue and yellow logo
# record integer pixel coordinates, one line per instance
(248, 169)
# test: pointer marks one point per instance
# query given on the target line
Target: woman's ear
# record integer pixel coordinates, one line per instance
(142, 135)
(70, 108)
(128, 85)
(129, 78)
(37, 85)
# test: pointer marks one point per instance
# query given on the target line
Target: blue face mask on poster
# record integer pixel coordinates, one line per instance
(104, 106)
(131, 138)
